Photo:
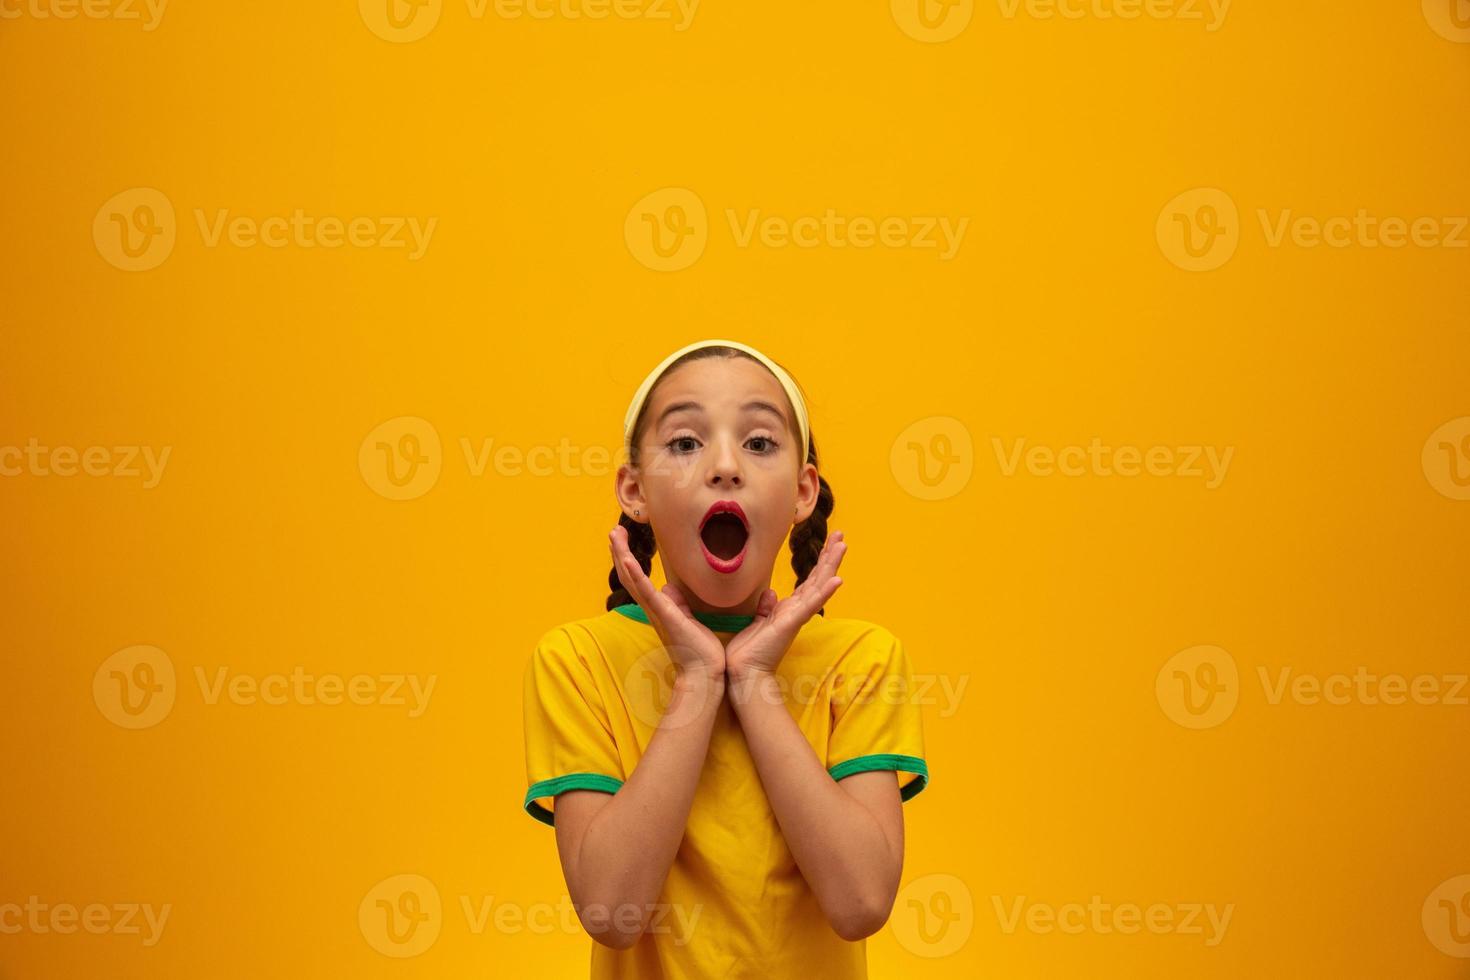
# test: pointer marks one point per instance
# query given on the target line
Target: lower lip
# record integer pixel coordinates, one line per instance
(726, 565)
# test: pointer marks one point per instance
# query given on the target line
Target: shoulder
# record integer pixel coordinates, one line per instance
(589, 640)
(847, 633)
(847, 644)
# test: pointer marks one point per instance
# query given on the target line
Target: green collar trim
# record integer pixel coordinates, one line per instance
(717, 622)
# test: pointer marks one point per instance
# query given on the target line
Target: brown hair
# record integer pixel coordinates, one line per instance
(807, 538)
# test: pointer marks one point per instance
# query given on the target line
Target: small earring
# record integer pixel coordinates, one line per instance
(637, 512)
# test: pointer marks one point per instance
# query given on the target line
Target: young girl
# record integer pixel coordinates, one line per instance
(724, 770)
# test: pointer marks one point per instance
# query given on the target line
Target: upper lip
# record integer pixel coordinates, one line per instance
(724, 507)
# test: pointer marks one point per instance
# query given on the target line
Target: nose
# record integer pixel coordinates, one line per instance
(724, 467)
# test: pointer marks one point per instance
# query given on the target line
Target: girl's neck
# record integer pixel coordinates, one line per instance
(745, 607)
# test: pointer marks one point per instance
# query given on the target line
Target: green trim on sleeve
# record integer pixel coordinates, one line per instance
(874, 763)
(560, 784)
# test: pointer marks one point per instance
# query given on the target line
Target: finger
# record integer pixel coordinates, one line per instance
(825, 567)
(677, 597)
(617, 558)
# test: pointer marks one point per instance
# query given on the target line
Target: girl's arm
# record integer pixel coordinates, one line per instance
(847, 837)
(616, 850)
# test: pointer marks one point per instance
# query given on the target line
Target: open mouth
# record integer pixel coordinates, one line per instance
(723, 533)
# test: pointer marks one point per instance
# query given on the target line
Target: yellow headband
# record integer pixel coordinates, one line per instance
(793, 394)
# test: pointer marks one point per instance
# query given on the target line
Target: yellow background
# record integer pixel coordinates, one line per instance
(530, 319)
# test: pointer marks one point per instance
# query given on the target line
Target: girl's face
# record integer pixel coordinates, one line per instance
(719, 430)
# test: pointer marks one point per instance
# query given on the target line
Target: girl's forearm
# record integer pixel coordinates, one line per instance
(630, 843)
(843, 852)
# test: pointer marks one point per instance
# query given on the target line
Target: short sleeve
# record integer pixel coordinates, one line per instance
(569, 743)
(876, 718)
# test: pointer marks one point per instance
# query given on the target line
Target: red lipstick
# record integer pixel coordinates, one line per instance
(730, 564)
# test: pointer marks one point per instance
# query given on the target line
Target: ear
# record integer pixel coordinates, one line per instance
(629, 492)
(807, 488)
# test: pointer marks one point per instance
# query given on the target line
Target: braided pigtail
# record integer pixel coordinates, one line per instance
(810, 536)
(642, 545)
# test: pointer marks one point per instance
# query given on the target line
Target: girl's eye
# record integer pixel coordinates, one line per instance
(683, 445)
(769, 443)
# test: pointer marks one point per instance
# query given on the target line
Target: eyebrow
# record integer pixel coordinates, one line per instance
(751, 406)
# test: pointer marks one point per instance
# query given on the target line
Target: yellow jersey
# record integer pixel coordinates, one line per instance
(734, 903)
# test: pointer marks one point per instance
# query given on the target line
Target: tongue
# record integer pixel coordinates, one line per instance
(724, 535)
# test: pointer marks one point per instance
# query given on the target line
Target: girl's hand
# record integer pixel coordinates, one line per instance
(694, 650)
(759, 647)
